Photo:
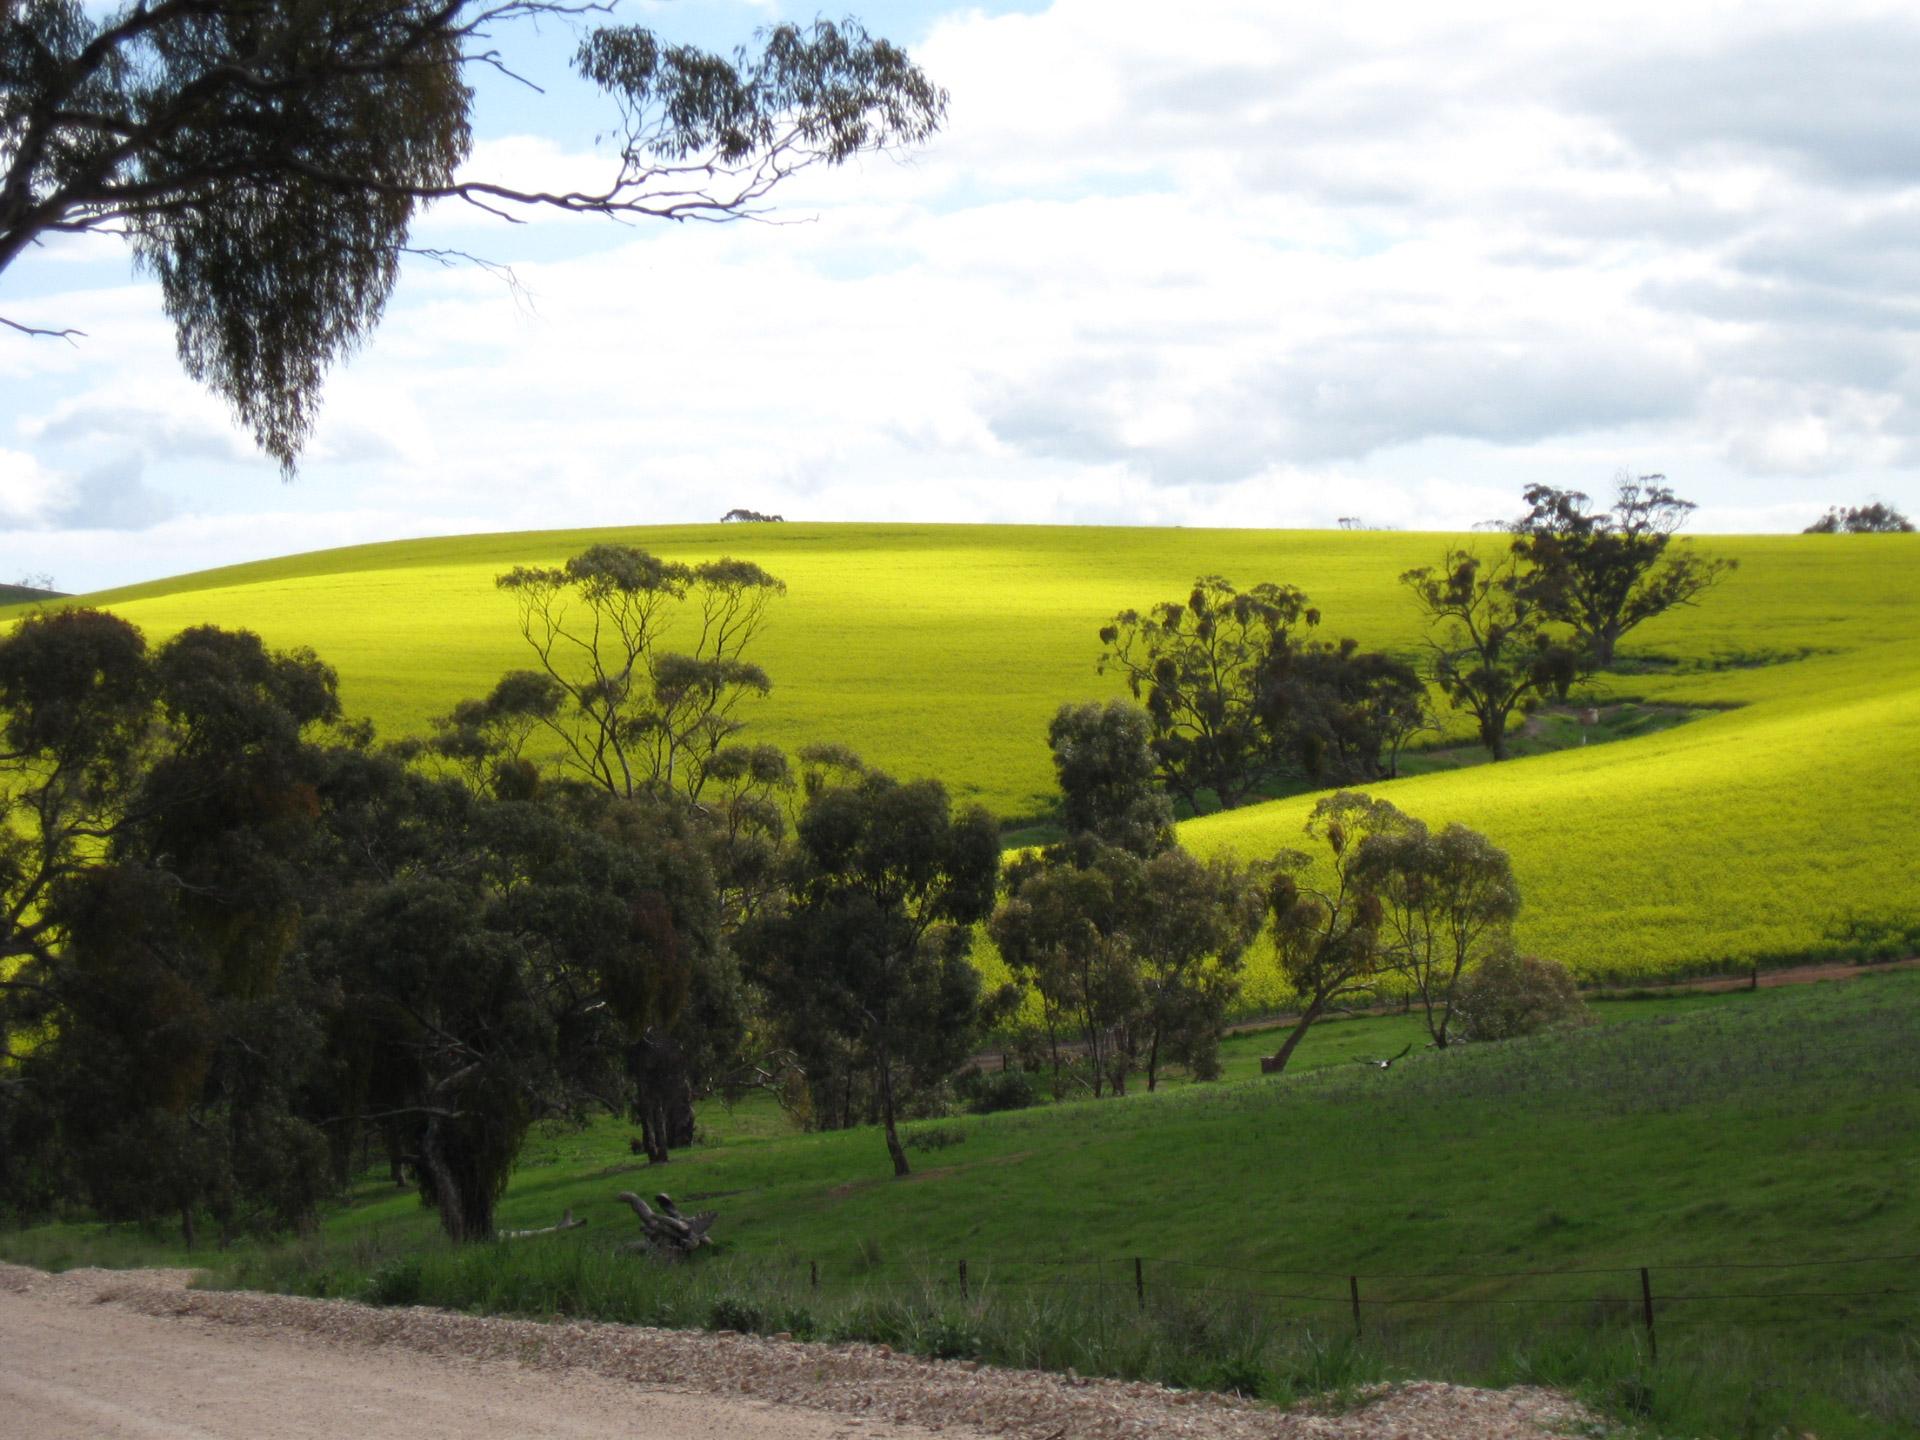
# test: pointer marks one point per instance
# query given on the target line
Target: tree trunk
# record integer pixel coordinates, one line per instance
(465, 1203)
(186, 1226)
(1153, 1061)
(664, 1094)
(1603, 640)
(1493, 734)
(1276, 1062)
(894, 1147)
(396, 1153)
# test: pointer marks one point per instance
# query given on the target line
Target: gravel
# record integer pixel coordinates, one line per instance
(867, 1382)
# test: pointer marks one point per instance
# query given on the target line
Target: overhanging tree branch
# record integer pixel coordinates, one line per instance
(267, 159)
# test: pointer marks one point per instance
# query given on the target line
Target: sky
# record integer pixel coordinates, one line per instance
(1231, 262)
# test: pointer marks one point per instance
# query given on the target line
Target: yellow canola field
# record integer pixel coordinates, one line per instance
(944, 649)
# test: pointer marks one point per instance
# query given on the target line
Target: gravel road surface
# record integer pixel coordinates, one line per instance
(111, 1354)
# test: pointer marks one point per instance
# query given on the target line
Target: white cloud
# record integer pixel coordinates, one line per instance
(1262, 264)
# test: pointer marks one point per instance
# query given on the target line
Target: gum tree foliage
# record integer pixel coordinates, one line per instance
(1447, 904)
(1103, 756)
(642, 680)
(1140, 955)
(161, 811)
(631, 712)
(266, 160)
(1356, 710)
(1327, 910)
(491, 963)
(866, 963)
(1062, 935)
(1208, 670)
(1875, 518)
(240, 939)
(1189, 923)
(1490, 640)
(1602, 572)
(1509, 995)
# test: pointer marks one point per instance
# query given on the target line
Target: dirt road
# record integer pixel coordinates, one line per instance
(138, 1356)
(72, 1368)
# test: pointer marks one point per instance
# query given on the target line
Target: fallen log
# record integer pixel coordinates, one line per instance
(567, 1222)
(666, 1230)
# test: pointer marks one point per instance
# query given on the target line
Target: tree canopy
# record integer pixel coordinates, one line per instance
(1603, 572)
(1490, 640)
(266, 160)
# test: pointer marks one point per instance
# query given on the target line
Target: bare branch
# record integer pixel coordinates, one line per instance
(67, 335)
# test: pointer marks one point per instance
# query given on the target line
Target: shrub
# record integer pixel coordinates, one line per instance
(937, 1137)
(1002, 1090)
(398, 1282)
(1509, 995)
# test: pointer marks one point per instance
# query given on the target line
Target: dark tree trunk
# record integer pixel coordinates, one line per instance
(451, 1178)
(1493, 734)
(663, 1093)
(186, 1226)
(396, 1152)
(1276, 1062)
(1604, 639)
(894, 1147)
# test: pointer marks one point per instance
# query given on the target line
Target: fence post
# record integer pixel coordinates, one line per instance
(813, 1273)
(1139, 1283)
(1646, 1311)
(1353, 1287)
(963, 1279)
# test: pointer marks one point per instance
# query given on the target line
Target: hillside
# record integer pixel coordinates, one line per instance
(1742, 836)
(1495, 1203)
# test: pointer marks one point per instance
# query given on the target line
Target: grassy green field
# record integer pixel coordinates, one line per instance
(1741, 836)
(1693, 1136)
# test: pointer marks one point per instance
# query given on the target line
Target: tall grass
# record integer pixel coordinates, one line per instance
(1734, 1382)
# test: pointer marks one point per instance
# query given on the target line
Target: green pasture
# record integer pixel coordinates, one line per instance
(1743, 836)
(1496, 1202)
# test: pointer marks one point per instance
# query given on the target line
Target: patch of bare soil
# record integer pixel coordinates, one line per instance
(136, 1353)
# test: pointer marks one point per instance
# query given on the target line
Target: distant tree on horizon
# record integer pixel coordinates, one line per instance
(1875, 518)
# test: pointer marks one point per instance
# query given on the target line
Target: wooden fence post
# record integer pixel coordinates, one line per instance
(1646, 1311)
(1353, 1287)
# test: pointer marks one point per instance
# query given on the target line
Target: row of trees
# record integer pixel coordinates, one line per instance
(242, 943)
(1134, 947)
(1240, 692)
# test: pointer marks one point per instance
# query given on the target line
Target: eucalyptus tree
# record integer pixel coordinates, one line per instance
(160, 818)
(1874, 518)
(1327, 913)
(267, 160)
(1188, 925)
(643, 667)
(1448, 901)
(1603, 572)
(1103, 757)
(866, 963)
(1490, 640)
(492, 963)
(1208, 670)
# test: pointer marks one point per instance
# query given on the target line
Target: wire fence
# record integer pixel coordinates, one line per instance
(1647, 1297)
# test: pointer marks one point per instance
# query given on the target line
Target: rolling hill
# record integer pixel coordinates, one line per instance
(1741, 837)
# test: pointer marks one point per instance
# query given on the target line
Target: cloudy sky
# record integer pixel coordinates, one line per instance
(1241, 262)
